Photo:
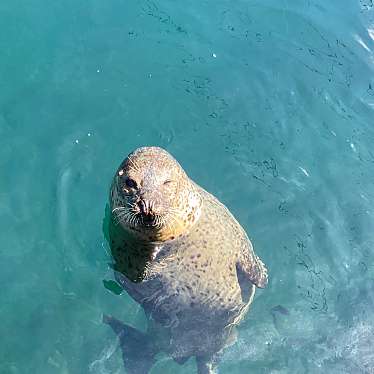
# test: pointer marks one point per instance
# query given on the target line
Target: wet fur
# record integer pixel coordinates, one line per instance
(194, 273)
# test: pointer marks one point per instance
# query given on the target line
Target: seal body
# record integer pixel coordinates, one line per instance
(187, 260)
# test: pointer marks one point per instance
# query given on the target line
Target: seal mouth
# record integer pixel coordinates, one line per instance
(147, 216)
(148, 220)
(141, 214)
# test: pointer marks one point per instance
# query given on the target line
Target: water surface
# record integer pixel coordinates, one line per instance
(267, 104)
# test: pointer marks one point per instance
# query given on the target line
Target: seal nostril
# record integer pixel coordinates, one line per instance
(146, 207)
(141, 206)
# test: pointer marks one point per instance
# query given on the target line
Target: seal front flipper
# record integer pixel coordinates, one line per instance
(137, 351)
(250, 266)
(207, 364)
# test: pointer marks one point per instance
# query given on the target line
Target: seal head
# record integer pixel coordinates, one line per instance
(152, 197)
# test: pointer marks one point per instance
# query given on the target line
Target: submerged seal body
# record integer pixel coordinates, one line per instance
(182, 255)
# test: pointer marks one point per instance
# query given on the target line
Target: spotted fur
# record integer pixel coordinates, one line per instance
(195, 274)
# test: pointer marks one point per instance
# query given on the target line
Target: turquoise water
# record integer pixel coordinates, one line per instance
(267, 104)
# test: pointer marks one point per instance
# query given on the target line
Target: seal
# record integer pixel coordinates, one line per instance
(183, 257)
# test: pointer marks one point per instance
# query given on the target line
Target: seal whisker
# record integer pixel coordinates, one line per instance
(120, 216)
(173, 210)
(175, 218)
(118, 208)
(134, 164)
(159, 221)
(170, 221)
(125, 217)
(132, 219)
(119, 213)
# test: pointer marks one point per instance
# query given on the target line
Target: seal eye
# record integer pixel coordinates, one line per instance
(168, 181)
(130, 183)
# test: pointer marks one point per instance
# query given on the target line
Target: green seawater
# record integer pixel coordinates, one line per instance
(267, 104)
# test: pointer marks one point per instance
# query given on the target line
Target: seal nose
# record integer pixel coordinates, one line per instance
(146, 207)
